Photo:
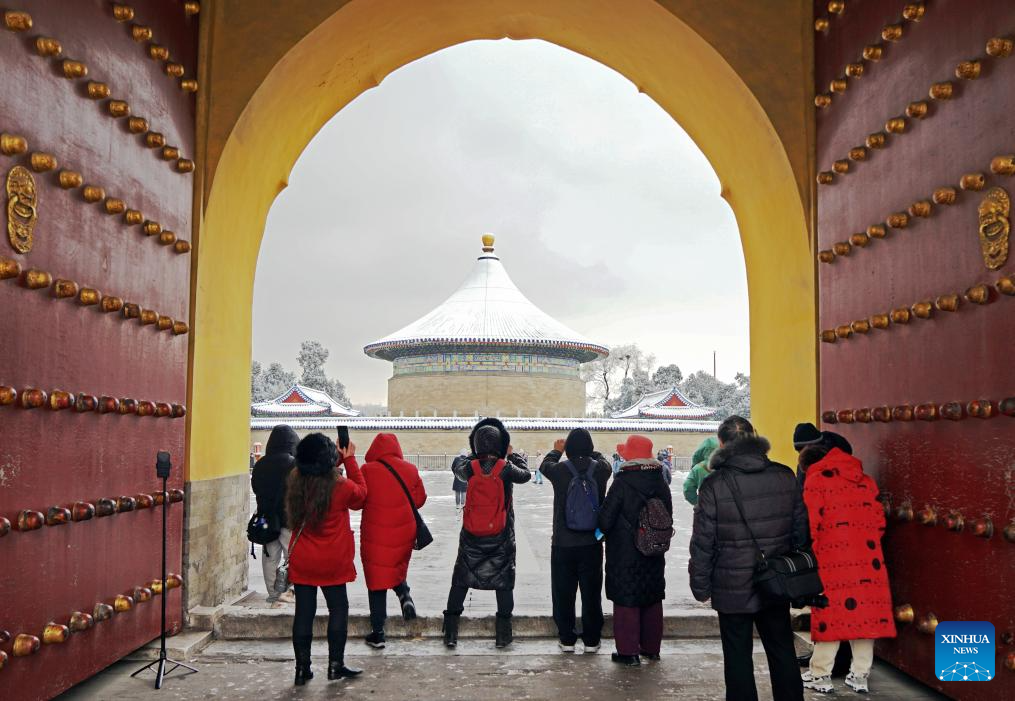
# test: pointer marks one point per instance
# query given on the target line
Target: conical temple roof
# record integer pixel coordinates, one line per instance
(487, 311)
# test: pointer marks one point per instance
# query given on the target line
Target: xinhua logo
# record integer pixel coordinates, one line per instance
(964, 651)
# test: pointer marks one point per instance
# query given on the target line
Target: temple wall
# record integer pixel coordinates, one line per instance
(486, 395)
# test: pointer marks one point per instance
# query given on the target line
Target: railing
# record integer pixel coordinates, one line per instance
(430, 463)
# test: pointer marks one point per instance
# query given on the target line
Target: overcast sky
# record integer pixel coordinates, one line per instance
(607, 215)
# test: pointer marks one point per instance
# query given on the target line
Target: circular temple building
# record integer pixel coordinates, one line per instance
(486, 350)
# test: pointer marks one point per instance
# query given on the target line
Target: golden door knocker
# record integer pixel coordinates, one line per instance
(22, 208)
(995, 226)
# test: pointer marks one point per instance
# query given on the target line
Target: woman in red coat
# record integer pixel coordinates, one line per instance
(388, 530)
(321, 552)
(847, 522)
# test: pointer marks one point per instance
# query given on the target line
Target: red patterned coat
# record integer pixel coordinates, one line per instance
(847, 522)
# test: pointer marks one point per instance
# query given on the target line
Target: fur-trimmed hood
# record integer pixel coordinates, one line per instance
(746, 454)
(499, 425)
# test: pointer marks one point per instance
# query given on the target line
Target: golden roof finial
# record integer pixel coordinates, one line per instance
(488, 240)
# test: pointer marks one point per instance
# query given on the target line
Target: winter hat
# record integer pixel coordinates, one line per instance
(578, 444)
(636, 448)
(487, 441)
(834, 440)
(805, 434)
(505, 437)
(316, 455)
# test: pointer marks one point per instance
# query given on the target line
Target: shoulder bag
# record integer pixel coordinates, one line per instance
(423, 535)
(784, 578)
(282, 571)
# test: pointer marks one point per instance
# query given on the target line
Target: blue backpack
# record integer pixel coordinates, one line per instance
(581, 510)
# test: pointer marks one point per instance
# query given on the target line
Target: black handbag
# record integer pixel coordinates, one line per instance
(423, 535)
(792, 577)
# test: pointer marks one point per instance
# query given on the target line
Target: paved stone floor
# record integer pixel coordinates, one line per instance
(424, 670)
(430, 572)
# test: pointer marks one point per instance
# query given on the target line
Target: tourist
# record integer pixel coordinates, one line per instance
(576, 555)
(812, 452)
(847, 522)
(635, 581)
(700, 469)
(268, 479)
(723, 559)
(486, 545)
(663, 457)
(322, 549)
(459, 486)
(617, 462)
(388, 530)
(805, 434)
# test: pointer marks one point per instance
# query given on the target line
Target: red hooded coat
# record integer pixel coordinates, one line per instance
(388, 528)
(324, 554)
(847, 522)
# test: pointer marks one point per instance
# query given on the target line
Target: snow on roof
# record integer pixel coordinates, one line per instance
(666, 404)
(487, 309)
(465, 423)
(300, 400)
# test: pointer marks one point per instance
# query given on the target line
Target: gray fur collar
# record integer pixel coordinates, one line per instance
(642, 464)
(755, 445)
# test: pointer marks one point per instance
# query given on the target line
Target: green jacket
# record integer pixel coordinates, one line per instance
(700, 470)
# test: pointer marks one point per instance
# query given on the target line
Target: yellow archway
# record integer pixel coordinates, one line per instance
(351, 46)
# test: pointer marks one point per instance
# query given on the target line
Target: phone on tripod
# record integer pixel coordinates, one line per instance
(343, 437)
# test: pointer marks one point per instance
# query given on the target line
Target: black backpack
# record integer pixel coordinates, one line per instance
(262, 529)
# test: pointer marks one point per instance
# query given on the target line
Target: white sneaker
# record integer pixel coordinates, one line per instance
(823, 685)
(565, 648)
(858, 683)
(591, 649)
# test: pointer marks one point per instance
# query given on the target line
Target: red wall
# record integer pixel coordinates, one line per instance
(963, 465)
(49, 457)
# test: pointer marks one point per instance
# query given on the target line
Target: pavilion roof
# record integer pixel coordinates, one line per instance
(487, 310)
(300, 400)
(665, 404)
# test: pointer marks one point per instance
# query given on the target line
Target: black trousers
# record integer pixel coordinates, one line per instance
(571, 570)
(456, 601)
(378, 600)
(736, 630)
(338, 619)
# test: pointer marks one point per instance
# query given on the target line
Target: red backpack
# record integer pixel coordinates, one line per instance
(485, 506)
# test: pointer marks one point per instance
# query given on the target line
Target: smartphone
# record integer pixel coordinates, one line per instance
(343, 437)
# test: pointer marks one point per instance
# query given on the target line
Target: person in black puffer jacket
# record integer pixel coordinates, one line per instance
(576, 557)
(486, 561)
(635, 583)
(723, 556)
(268, 479)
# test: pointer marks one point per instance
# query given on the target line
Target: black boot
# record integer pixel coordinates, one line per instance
(303, 673)
(450, 629)
(504, 637)
(338, 670)
(408, 607)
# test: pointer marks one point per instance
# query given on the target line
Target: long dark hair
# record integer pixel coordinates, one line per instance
(308, 498)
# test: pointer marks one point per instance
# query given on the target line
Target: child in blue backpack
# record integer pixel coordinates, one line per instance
(576, 553)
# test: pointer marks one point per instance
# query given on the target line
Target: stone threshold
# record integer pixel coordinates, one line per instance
(242, 623)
